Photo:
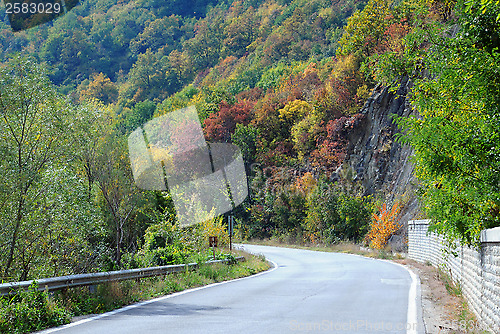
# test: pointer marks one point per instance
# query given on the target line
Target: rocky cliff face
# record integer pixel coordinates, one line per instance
(382, 163)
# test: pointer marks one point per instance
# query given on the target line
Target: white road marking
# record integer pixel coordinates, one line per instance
(393, 281)
(412, 316)
(412, 305)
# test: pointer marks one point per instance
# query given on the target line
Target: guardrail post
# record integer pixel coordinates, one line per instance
(64, 292)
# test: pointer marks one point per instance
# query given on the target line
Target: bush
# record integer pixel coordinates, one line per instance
(169, 254)
(354, 213)
(163, 245)
(211, 227)
(333, 216)
(30, 311)
(383, 226)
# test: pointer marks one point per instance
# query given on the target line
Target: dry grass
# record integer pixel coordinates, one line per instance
(343, 247)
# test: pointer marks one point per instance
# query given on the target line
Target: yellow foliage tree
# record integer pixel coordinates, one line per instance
(345, 67)
(101, 88)
(295, 110)
(383, 226)
(306, 183)
(305, 132)
(365, 28)
(215, 227)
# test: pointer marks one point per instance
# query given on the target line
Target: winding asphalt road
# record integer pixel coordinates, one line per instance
(306, 292)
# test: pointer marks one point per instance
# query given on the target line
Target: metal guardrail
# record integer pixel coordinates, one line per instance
(71, 281)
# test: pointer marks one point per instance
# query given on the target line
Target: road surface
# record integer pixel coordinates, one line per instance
(307, 292)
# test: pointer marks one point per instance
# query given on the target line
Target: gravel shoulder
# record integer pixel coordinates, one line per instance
(443, 312)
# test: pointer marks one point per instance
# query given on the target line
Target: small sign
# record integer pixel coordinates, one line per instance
(212, 241)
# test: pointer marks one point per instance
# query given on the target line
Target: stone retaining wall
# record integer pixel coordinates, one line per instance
(476, 271)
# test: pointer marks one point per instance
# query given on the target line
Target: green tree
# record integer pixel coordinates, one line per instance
(456, 135)
(139, 114)
(121, 200)
(152, 76)
(240, 33)
(203, 50)
(484, 6)
(33, 127)
(245, 137)
(159, 33)
(365, 29)
(67, 234)
(322, 214)
(354, 213)
(101, 157)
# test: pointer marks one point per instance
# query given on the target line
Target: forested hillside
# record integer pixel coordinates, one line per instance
(286, 81)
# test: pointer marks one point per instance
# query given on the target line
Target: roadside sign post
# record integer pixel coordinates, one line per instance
(230, 228)
(212, 241)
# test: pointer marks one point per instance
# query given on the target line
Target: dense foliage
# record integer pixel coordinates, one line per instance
(456, 136)
(284, 80)
(30, 311)
(261, 73)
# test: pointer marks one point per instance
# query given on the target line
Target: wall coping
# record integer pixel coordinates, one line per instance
(419, 222)
(491, 235)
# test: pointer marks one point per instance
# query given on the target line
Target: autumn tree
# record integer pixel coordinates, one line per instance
(384, 225)
(220, 125)
(151, 77)
(240, 33)
(332, 149)
(365, 29)
(100, 88)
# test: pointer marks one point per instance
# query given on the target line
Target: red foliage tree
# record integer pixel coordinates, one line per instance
(393, 36)
(220, 125)
(332, 150)
(253, 94)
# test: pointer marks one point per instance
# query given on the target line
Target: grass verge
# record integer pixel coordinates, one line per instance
(35, 310)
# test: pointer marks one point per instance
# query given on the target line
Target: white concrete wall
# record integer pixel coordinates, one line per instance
(476, 270)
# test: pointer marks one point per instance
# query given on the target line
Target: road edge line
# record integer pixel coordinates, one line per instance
(414, 315)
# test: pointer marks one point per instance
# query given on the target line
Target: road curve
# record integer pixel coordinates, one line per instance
(307, 292)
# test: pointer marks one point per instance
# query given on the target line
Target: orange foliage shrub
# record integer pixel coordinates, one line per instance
(306, 183)
(383, 226)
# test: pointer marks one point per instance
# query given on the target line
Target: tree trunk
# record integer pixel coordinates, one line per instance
(118, 242)
(14, 237)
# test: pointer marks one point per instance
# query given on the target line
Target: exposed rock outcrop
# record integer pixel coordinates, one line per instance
(381, 162)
